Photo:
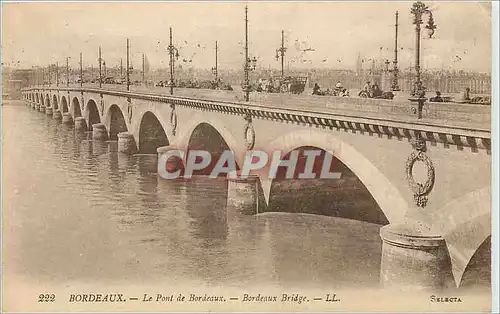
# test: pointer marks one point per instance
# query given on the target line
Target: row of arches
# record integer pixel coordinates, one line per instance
(351, 199)
(151, 133)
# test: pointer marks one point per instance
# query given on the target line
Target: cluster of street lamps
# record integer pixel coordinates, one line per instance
(418, 93)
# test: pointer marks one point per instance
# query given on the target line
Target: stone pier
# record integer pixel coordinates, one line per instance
(126, 143)
(57, 115)
(172, 164)
(414, 258)
(67, 118)
(80, 124)
(244, 194)
(48, 111)
(99, 132)
(42, 109)
(37, 106)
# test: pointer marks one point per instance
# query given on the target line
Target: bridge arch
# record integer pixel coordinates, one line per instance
(385, 194)
(55, 103)
(75, 107)
(115, 121)
(92, 113)
(47, 101)
(64, 104)
(465, 223)
(151, 134)
(42, 102)
(198, 118)
(37, 99)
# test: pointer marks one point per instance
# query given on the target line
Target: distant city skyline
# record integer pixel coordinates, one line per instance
(317, 34)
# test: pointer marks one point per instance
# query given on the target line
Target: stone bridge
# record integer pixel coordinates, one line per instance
(430, 177)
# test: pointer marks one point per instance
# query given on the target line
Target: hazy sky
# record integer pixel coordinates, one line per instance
(43, 33)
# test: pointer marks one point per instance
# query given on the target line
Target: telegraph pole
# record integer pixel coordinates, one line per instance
(43, 78)
(67, 71)
(81, 70)
(128, 67)
(100, 68)
(57, 73)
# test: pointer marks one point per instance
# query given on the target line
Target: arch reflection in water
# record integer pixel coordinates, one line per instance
(99, 148)
(208, 228)
(328, 251)
(147, 163)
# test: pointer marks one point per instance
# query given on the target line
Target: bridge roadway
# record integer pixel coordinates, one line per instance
(437, 216)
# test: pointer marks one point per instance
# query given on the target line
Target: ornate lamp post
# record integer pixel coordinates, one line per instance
(395, 70)
(129, 67)
(81, 70)
(101, 63)
(418, 10)
(174, 54)
(57, 73)
(215, 68)
(250, 63)
(67, 71)
(281, 53)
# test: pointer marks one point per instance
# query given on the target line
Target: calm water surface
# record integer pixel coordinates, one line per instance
(78, 210)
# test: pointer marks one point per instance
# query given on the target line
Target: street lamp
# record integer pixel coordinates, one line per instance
(67, 71)
(250, 63)
(174, 53)
(395, 70)
(215, 68)
(418, 10)
(281, 53)
(101, 63)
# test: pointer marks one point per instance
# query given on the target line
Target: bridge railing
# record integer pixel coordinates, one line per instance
(474, 116)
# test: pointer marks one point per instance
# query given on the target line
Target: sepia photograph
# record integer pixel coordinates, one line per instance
(248, 156)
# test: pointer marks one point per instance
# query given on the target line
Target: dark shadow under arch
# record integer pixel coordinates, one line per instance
(346, 197)
(151, 134)
(77, 111)
(94, 117)
(117, 122)
(47, 100)
(64, 104)
(478, 271)
(54, 102)
(205, 137)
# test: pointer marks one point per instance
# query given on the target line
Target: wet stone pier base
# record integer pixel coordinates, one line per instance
(99, 132)
(42, 109)
(67, 118)
(48, 111)
(172, 164)
(80, 124)
(57, 115)
(413, 259)
(126, 143)
(244, 195)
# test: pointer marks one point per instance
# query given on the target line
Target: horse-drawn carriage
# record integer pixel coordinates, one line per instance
(289, 84)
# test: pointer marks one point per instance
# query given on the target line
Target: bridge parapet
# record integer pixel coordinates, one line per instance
(464, 125)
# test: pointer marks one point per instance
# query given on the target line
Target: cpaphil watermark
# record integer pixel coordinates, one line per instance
(311, 164)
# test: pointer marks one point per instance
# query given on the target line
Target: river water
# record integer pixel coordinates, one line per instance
(79, 211)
